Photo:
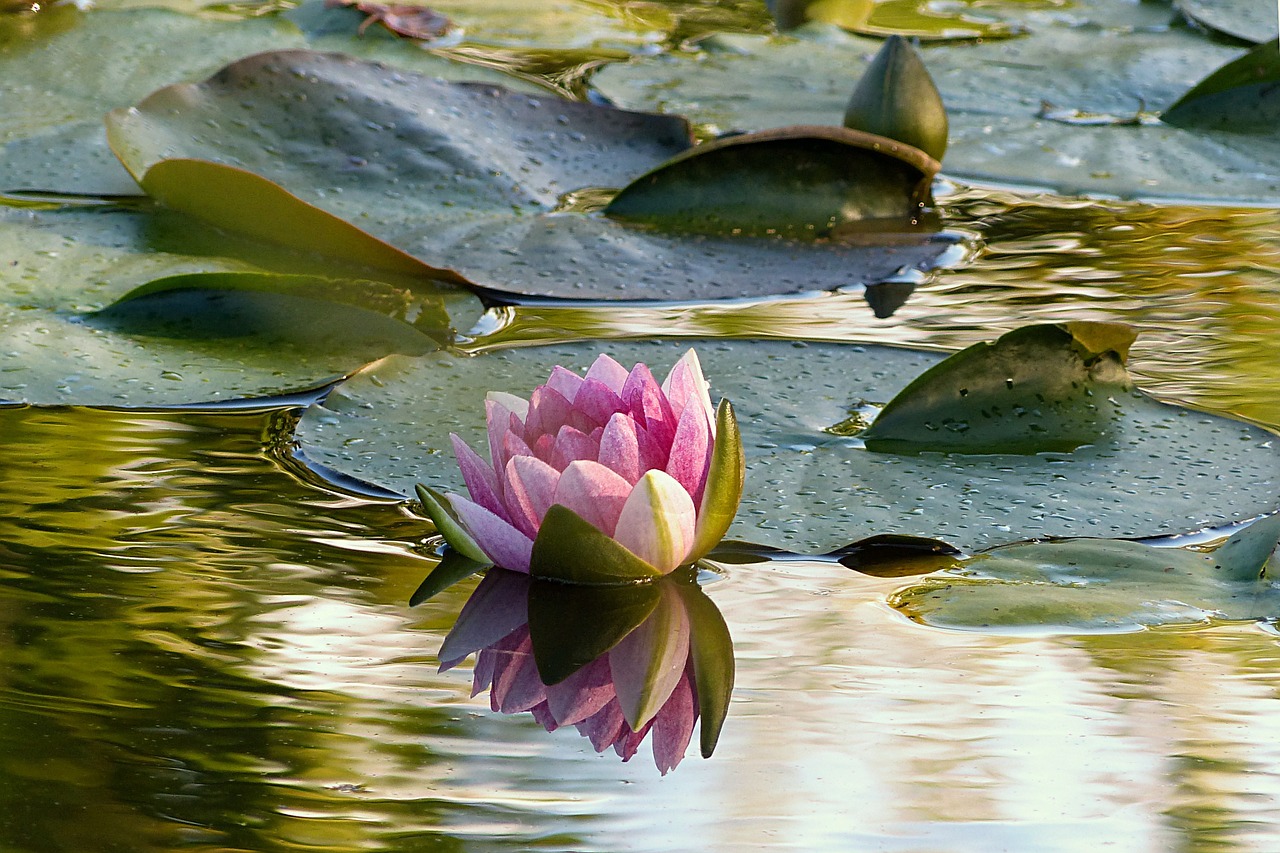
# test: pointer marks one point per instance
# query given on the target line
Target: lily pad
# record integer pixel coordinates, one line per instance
(1037, 388)
(1242, 96)
(1248, 20)
(1160, 469)
(468, 179)
(52, 138)
(1070, 106)
(1101, 585)
(103, 307)
(841, 177)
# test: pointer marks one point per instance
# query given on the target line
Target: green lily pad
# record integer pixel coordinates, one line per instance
(468, 179)
(104, 307)
(1069, 107)
(731, 186)
(1242, 96)
(52, 138)
(1248, 20)
(1160, 469)
(1101, 585)
(1037, 388)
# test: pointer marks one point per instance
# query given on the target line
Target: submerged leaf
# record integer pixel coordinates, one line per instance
(897, 98)
(711, 652)
(1242, 96)
(1037, 388)
(572, 625)
(452, 568)
(798, 182)
(475, 176)
(1087, 585)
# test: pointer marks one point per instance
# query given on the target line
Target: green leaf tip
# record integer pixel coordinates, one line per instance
(571, 549)
(448, 525)
(725, 483)
(897, 98)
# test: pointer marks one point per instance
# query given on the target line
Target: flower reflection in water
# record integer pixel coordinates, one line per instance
(621, 663)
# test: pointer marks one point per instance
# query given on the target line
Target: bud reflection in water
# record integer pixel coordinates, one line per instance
(621, 663)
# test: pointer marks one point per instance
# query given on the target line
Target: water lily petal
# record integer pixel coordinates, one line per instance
(593, 492)
(498, 606)
(481, 482)
(690, 459)
(482, 675)
(648, 405)
(566, 382)
(448, 525)
(604, 726)
(512, 446)
(609, 372)
(516, 685)
(685, 384)
(673, 726)
(518, 406)
(530, 489)
(649, 662)
(503, 543)
(542, 714)
(620, 448)
(548, 411)
(597, 401)
(581, 694)
(571, 445)
(628, 742)
(501, 422)
(658, 522)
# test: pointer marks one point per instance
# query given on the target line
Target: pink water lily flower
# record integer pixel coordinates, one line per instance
(607, 477)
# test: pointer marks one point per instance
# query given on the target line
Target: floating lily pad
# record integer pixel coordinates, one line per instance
(841, 177)
(1101, 585)
(1160, 469)
(1248, 20)
(1242, 96)
(197, 328)
(1071, 106)
(1038, 388)
(52, 137)
(465, 178)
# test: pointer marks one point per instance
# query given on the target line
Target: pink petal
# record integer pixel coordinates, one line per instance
(627, 742)
(609, 372)
(643, 397)
(597, 401)
(673, 726)
(657, 523)
(566, 382)
(685, 384)
(593, 492)
(481, 482)
(581, 694)
(499, 605)
(512, 446)
(548, 411)
(501, 422)
(620, 448)
(571, 445)
(542, 713)
(604, 726)
(482, 677)
(530, 489)
(505, 545)
(516, 685)
(544, 448)
(690, 461)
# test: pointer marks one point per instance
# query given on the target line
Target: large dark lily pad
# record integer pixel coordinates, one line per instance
(1242, 96)
(1161, 469)
(1248, 20)
(52, 137)
(468, 179)
(197, 328)
(1071, 106)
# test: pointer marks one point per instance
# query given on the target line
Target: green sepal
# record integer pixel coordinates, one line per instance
(711, 649)
(572, 625)
(452, 568)
(725, 480)
(449, 526)
(897, 98)
(571, 549)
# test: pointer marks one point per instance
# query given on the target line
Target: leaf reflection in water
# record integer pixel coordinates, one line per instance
(619, 663)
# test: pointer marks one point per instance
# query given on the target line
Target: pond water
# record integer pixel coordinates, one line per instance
(208, 646)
